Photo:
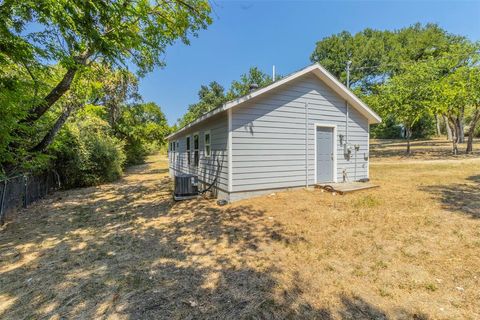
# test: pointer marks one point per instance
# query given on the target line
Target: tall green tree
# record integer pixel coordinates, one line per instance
(75, 34)
(377, 55)
(457, 96)
(143, 127)
(213, 95)
(407, 97)
(209, 97)
(241, 87)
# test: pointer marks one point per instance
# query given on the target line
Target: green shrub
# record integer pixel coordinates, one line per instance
(86, 153)
(424, 128)
(477, 132)
(388, 129)
(136, 151)
(105, 158)
(143, 127)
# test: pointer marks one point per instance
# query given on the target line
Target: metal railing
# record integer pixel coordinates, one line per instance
(22, 190)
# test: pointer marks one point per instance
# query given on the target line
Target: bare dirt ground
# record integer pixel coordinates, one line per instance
(407, 250)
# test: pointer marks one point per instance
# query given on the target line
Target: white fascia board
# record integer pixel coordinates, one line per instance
(348, 95)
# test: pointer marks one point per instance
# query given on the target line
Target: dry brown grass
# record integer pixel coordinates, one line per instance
(434, 149)
(409, 249)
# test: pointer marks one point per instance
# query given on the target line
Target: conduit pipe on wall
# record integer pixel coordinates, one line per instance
(346, 123)
(306, 144)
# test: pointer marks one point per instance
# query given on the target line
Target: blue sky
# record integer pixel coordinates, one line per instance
(283, 33)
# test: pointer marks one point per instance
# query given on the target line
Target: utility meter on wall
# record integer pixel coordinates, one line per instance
(347, 149)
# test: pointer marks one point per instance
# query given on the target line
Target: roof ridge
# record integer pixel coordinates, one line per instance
(324, 76)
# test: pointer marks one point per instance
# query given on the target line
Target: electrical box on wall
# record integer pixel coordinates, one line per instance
(347, 149)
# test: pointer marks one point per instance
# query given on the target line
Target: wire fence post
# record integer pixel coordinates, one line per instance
(20, 191)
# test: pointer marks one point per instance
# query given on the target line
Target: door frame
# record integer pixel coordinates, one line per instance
(334, 148)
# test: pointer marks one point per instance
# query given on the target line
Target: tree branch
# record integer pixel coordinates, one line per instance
(48, 138)
(57, 92)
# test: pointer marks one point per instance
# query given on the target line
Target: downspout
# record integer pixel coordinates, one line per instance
(306, 144)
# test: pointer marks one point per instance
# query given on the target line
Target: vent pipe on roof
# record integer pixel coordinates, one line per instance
(273, 73)
(253, 87)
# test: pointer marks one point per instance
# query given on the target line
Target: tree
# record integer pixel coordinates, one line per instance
(366, 50)
(210, 97)
(473, 103)
(213, 95)
(378, 55)
(458, 94)
(253, 76)
(76, 34)
(407, 97)
(143, 127)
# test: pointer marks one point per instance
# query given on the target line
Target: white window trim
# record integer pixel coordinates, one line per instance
(188, 149)
(205, 144)
(326, 125)
(198, 149)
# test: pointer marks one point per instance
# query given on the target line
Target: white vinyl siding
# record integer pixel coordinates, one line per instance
(269, 136)
(216, 163)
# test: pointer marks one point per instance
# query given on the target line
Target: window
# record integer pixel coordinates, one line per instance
(195, 150)
(208, 150)
(188, 150)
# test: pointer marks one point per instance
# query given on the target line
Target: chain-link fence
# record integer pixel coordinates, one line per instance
(20, 191)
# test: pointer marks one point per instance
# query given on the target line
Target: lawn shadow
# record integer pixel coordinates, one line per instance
(127, 250)
(459, 197)
(355, 307)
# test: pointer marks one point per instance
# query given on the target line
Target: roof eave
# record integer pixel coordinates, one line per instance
(319, 71)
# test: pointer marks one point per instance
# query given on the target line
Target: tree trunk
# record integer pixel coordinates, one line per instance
(437, 123)
(461, 132)
(408, 135)
(48, 138)
(114, 112)
(453, 124)
(471, 129)
(56, 93)
(447, 128)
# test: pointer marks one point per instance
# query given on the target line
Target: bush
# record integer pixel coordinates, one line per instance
(143, 127)
(87, 154)
(388, 129)
(105, 158)
(136, 151)
(424, 128)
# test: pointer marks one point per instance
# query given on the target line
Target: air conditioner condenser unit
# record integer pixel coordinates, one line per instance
(185, 186)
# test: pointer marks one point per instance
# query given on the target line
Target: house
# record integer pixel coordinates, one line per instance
(301, 130)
